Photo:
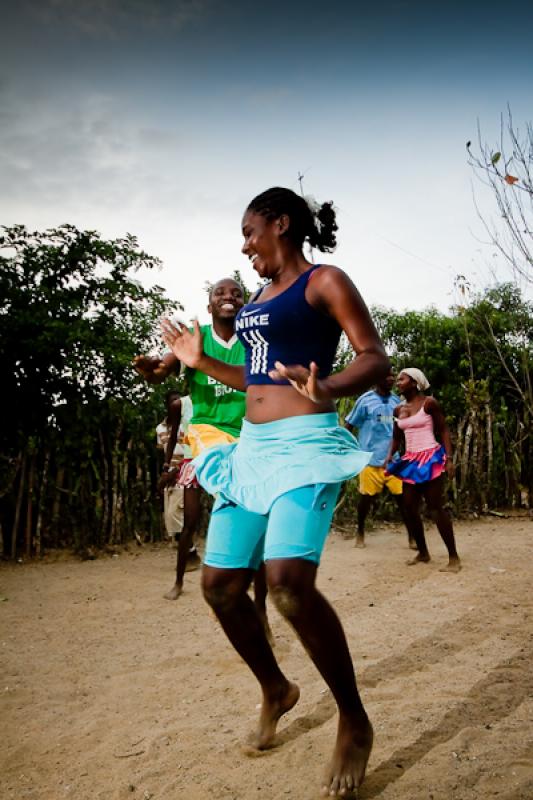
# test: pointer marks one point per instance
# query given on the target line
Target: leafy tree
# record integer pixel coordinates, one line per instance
(479, 359)
(500, 327)
(73, 318)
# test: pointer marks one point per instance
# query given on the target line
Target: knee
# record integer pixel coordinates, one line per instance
(286, 594)
(286, 600)
(220, 591)
(435, 512)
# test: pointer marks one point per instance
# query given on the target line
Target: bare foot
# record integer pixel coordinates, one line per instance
(412, 545)
(419, 559)
(271, 712)
(360, 540)
(453, 565)
(352, 749)
(174, 593)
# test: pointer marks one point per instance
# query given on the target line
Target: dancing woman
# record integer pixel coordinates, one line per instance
(276, 489)
(420, 421)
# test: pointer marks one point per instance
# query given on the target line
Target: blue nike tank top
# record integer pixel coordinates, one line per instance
(286, 328)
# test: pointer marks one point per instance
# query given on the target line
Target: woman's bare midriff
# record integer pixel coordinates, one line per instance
(269, 403)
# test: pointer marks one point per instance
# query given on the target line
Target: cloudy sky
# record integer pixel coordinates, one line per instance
(163, 118)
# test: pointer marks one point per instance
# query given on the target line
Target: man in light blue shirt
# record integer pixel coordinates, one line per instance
(372, 415)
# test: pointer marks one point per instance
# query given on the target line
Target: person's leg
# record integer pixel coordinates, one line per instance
(172, 514)
(187, 479)
(370, 485)
(298, 526)
(433, 494)
(260, 595)
(226, 591)
(413, 521)
(398, 498)
(234, 550)
(191, 519)
(193, 559)
(395, 487)
(363, 507)
(292, 587)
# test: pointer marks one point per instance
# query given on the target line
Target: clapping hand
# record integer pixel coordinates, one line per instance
(187, 346)
(304, 380)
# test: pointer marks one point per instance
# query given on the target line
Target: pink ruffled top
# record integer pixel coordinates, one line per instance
(418, 431)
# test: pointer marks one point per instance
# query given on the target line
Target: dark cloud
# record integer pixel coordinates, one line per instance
(91, 153)
(114, 19)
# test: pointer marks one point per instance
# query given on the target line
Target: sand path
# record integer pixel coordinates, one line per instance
(109, 692)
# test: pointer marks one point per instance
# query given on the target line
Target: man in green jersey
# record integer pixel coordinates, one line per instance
(215, 405)
(218, 410)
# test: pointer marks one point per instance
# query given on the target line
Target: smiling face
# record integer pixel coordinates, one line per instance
(225, 299)
(262, 242)
(405, 383)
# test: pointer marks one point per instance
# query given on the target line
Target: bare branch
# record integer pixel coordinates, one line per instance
(511, 186)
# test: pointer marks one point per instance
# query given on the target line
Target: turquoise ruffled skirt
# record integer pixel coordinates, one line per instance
(273, 458)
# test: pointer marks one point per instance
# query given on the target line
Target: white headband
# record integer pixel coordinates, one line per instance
(418, 376)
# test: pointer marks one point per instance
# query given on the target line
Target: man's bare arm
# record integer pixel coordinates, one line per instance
(155, 369)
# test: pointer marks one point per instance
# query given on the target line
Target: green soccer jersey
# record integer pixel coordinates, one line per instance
(215, 403)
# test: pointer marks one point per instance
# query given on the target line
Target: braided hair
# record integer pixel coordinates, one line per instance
(309, 222)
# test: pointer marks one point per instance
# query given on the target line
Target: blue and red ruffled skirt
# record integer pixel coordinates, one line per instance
(426, 465)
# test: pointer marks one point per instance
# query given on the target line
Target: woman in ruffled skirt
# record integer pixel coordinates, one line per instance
(420, 424)
(276, 489)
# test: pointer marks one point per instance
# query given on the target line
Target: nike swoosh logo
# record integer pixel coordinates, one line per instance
(247, 313)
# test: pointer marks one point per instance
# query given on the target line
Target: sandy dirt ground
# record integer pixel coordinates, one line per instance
(109, 692)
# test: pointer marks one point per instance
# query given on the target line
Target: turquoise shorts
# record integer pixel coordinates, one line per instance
(276, 489)
(295, 527)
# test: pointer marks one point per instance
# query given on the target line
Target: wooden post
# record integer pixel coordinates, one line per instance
(42, 503)
(105, 493)
(18, 507)
(115, 477)
(60, 478)
(29, 506)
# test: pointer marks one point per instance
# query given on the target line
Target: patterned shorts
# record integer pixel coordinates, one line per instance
(186, 475)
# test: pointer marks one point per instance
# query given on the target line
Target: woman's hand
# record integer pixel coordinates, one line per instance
(305, 381)
(187, 346)
(450, 468)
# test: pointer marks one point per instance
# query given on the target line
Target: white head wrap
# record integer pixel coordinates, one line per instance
(418, 376)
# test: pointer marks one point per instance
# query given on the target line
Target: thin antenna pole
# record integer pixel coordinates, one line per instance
(301, 182)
